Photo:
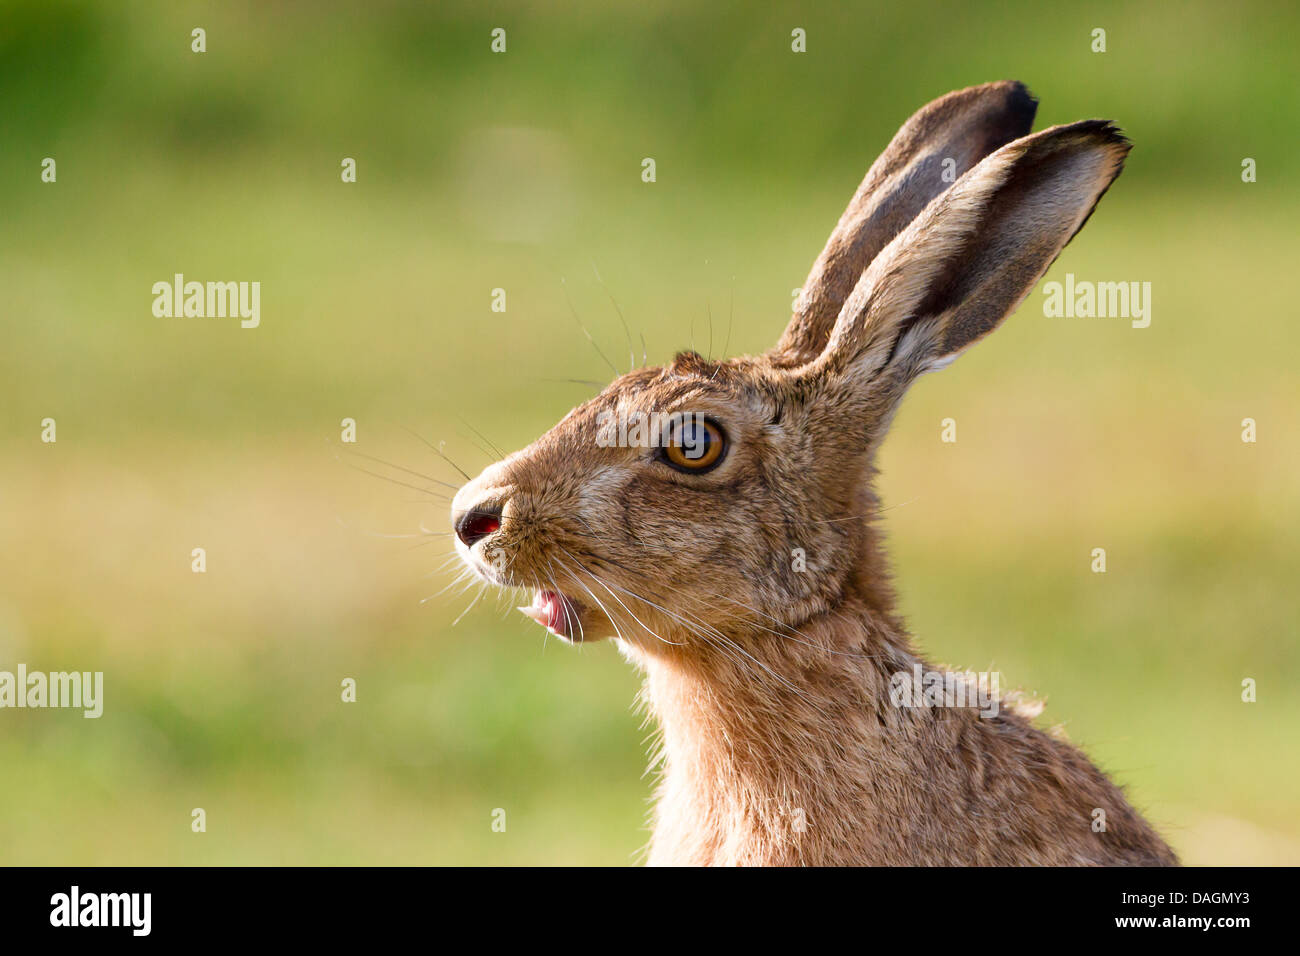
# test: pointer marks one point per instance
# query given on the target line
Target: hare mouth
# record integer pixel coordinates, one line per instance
(559, 614)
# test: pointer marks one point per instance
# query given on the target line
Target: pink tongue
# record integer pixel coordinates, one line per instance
(547, 610)
(554, 608)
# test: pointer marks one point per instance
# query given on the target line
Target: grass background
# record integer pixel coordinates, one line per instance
(522, 171)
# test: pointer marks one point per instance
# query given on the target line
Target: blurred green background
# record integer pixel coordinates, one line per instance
(522, 171)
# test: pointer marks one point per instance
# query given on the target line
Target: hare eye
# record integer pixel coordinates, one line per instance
(693, 444)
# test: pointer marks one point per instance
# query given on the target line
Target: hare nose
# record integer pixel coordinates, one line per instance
(477, 523)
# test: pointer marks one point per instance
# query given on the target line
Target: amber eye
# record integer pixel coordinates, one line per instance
(694, 444)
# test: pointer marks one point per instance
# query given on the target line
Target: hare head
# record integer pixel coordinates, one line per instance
(697, 503)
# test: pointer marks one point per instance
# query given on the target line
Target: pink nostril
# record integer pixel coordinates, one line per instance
(477, 523)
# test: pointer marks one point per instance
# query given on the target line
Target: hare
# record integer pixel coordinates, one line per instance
(665, 512)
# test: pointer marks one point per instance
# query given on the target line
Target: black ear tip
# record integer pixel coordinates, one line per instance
(1087, 134)
(1116, 136)
(1106, 133)
(1014, 111)
(1103, 128)
(1020, 98)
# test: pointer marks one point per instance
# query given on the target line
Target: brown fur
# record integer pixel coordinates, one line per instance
(771, 685)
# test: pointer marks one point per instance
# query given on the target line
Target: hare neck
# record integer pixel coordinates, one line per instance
(767, 745)
(795, 751)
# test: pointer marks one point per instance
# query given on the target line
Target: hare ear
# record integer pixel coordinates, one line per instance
(935, 147)
(970, 258)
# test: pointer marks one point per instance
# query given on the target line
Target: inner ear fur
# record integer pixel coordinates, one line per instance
(975, 252)
(964, 126)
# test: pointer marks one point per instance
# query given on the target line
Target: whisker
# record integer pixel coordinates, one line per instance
(708, 309)
(409, 471)
(404, 484)
(612, 619)
(711, 631)
(439, 452)
(644, 626)
(582, 631)
(477, 597)
(611, 365)
(631, 356)
(491, 444)
(787, 632)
